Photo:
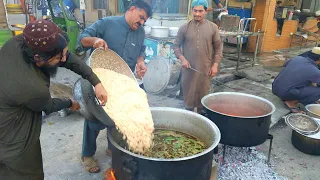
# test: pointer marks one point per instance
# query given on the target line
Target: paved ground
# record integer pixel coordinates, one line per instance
(286, 160)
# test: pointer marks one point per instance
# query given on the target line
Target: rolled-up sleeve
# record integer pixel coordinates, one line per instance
(80, 67)
(217, 45)
(95, 30)
(179, 41)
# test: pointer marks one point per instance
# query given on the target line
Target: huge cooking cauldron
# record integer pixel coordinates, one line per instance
(243, 119)
(131, 166)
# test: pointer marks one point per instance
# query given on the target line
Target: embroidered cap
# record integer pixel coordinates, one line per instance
(41, 35)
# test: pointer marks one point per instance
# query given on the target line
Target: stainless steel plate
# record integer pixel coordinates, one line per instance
(302, 123)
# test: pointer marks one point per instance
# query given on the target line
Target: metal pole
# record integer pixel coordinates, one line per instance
(270, 146)
(239, 51)
(224, 152)
(256, 49)
(84, 19)
(26, 11)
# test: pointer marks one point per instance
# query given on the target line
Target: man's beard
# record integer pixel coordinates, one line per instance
(50, 71)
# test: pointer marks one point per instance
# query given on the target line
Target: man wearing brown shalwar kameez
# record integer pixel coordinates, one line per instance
(202, 50)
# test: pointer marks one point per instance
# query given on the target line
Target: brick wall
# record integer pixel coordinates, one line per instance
(264, 12)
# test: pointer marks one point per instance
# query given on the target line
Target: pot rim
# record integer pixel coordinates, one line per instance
(209, 149)
(159, 27)
(309, 111)
(305, 133)
(173, 28)
(311, 136)
(241, 94)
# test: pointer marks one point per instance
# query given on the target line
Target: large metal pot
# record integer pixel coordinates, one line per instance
(306, 140)
(159, 31)
(131, 166)
(309, 144)
(243, 119)
(313, 110)
(173, 31)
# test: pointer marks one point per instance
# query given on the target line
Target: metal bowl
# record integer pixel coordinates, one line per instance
(160, 31)
(313, 110)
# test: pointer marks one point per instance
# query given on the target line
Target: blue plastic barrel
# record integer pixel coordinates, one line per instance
(70, 4)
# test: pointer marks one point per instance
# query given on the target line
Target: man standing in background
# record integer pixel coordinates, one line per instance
(202, 50)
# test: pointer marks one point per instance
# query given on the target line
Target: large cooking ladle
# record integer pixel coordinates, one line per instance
(221, 83)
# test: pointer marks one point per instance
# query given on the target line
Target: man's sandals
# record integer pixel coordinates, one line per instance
(294, 109)
(90, 164)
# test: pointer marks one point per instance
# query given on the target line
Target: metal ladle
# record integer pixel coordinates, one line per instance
(221, 83)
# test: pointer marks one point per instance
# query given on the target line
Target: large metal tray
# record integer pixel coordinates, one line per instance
(108, 59)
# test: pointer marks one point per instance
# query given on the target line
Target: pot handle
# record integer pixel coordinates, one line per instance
(130, 166)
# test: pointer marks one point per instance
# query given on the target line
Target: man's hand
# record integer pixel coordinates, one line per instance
(75, 105)
(141, 68)
(184, 62)
(214, 70)
(100, 43)
(101, 93)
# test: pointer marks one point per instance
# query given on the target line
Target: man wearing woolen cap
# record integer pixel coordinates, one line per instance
(26, 65)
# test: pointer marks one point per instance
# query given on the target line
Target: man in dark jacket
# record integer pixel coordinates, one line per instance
(26, 65)
(299, 80)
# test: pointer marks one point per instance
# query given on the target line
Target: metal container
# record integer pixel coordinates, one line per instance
(313, 110)
(309, 144)
(243, 119)
(131, 166)
(159, 31)
(90, 108)
(173, 31)
(147, 30)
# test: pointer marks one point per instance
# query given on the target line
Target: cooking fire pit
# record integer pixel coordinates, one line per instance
(130, 166)
(243, 119)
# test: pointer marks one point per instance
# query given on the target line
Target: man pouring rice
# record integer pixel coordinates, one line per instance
(124, 35)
